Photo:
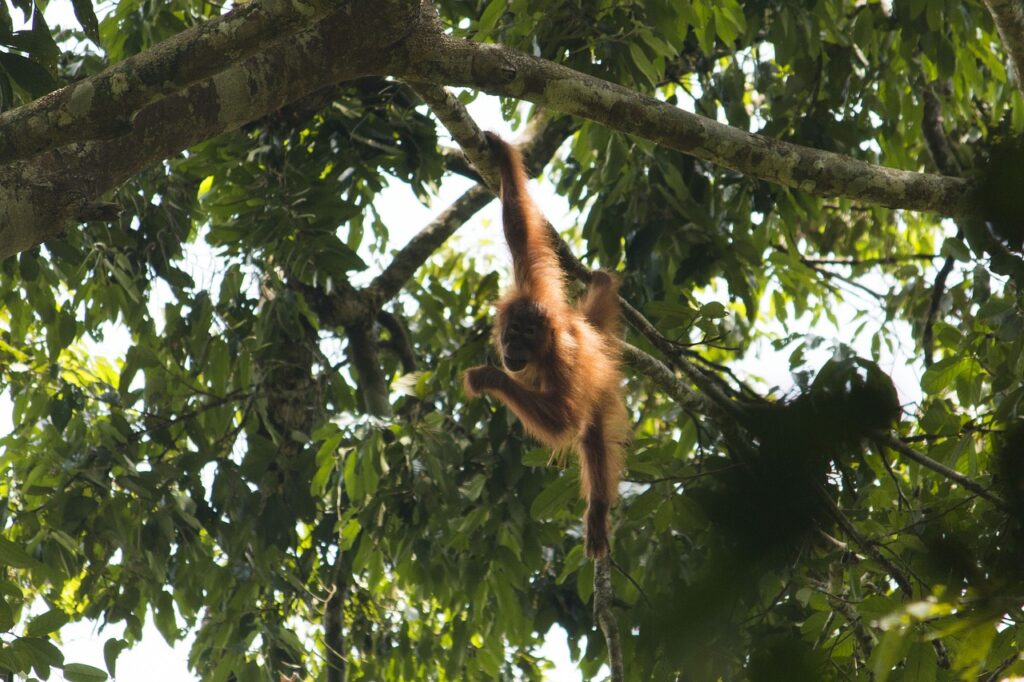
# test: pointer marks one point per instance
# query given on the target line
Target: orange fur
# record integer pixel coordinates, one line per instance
(568, 395)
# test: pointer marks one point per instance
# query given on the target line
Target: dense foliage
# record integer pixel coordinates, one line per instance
(230, 475)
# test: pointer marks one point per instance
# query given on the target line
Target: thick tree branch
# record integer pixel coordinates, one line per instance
(364, 354)
(103, 105)
(42, 196)
(658, 372)
(410, 257)
(503, 71)
(450, 111)
(1008, 16)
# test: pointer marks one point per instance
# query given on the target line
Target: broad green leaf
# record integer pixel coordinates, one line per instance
(80, 672)
(112, 649)
(12, 554)
(45, 623)
(491, 15)
(27, 74)
(87, 19)
(940, 375)
(889, 652)
(555, 498)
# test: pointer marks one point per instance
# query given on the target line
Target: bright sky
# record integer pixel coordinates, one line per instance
(155, 661)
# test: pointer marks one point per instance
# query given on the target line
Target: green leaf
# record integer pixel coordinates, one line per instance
(472, 488)
(922, 662)
(369, 473)
(28, 265)
(573, 561)
(163, 617)
(27, 74)
(889, 652)
(6, 612)
(112, 649)
(87, 19)
(642, 63)
(491, 15)
(67, 327)
(352, 484)
(11, 554)
(41, 652)
(45, 51)
(957, 249)
(43, 624)
(349, 534)
(713, 310)
(80, 672)
(554, 499)
(940, 375)
(60, 412)
(537, 457)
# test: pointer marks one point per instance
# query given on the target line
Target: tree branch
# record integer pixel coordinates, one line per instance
(934, 131)
(102, 106)
(867, 262)
(938, 290)
(895, 444)
(502, 71)
(538, 144)
(942, 153)
(865, 544)
(844, 608)
(410, 257)
(1008, 16)
(605, 617)
(333, 621)
(399, 343)
(665, 378)
(450, 111)
(42, 196)
(364, 354)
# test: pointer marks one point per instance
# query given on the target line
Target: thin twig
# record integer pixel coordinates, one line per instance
(1001, 668)
(924, 460)
(868, 262)
(902, 499)
(630, 578)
